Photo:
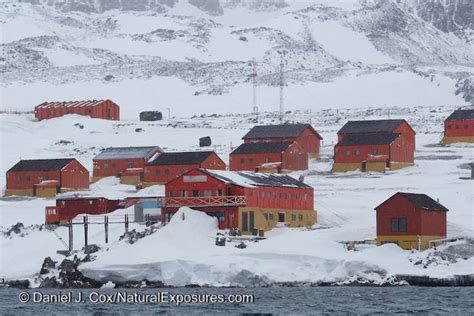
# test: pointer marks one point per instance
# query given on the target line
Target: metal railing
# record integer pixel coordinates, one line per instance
(204, 201)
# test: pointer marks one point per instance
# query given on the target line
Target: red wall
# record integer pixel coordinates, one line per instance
(308, 140)
(169, 172)
(419, 222)
(341, 157)
(459, 128)
(75, 176)
(104, 110)
(295, 158)
(68, 209)
(257, 159)
(402, 150)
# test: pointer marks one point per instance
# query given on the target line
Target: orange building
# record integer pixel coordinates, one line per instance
(102, 109)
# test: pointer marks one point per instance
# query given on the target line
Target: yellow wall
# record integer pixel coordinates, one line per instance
(22, 192)
(409, 242)
(376, 166)
(313, 155)
(309, 217)
(133, 180)
(458, 139)
(344, 167)
(45, 192)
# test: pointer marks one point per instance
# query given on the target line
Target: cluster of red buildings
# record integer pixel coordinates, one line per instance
(276, 148)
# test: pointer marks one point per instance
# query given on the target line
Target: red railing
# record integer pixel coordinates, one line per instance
(205, 201)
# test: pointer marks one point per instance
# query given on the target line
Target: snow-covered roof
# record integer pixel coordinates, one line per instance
(252, 179)
(127, 152)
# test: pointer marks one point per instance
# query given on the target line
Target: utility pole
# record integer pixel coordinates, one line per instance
(254, 89)
(281, 83)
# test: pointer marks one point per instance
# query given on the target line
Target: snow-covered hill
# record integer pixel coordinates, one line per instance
(194, 56)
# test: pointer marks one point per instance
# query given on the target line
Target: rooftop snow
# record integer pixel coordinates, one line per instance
(127, 152)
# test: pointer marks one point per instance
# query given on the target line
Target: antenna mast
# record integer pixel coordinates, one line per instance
(254, 87)
(281, 83)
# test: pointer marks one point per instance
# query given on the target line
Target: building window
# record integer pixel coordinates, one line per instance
(171, 194)
(357, 152)
(242, 160)
(183, 193)
(157, 172)
(130, 164)
(219, 192)
(45, 178)
(28, 178)
(63, 204)
(268, 159)
(399, 224)
(91, 202)
(114, 166)
(167, 171)
(449, 126)
(106, 166)
(457, 126)
(18, 178)
(207, 193)
(348, 152)
(293, 217)
(466, 126)
(376, 152)
(195, 193)
(250, 160)
(300, 217)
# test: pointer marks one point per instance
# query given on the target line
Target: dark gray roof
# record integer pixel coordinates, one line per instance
(262, 148)
(41, 164)
(460, 115)
(251, 179)
(369, 139)
(277, 131)
(126, 153)
(180, 158)
(370, 126)
(421, 200)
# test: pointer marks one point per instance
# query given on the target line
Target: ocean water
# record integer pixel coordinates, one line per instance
(272, 300)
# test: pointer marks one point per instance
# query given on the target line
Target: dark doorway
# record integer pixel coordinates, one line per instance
(251, 220)
(245, 226)
(281, 217)
(364, 166)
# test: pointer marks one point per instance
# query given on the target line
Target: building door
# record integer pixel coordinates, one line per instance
(34, 190)
(245, 226)
(141, 177)
(108, 115)
(364, 166)
(251, 220)
(281, 217)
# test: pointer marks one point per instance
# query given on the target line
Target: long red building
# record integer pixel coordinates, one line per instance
(273, 157)
(243, 199)
(374, 145)
(304, 134)
(410, 220)
(459, 127)
(124, 162)
(167, 166)
(101, 109)
(46, 177)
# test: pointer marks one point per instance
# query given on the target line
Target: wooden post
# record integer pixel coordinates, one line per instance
(71, 247)
(85, 231)
(126, 223)
(106, 224)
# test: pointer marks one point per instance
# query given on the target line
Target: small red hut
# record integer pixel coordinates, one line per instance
(127, 162)
(459, 127)
(102, 109)
(374, 145)
(410, 220)
(242, 199)
(304, 134)
(273, 157)
(69, 207)
(167, 166)
(46, 177)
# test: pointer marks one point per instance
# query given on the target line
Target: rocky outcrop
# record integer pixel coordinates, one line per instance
(69, 276)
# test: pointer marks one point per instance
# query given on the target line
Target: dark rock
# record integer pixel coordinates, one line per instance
(139, 130)
(17, 228)
(234, 231)
(241, 245)
(205, 141)
(67, 266)
(424, 280)
(139, 284)
(48, 264)
(81, 126)
(19, 284)
(243, 39)
(192, 285)
(50, 282)
(108, 77)
(220, 241)
(92, 248)
(151, 116)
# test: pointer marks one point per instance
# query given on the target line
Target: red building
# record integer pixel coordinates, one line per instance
(69, 207)
(167, 166)
(374, 145)
(102, 109)
(410, 220)
(459, 127)
(46, 177)
(268, 157)
(126, 162)
(242, 199)
(304, 134)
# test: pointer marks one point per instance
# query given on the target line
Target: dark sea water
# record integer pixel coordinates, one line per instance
(274, 300)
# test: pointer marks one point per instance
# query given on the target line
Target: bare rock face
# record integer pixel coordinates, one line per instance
(48, 265)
